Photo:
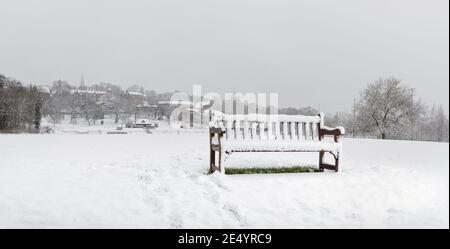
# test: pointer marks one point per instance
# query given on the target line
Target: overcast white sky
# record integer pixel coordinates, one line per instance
(310, 52)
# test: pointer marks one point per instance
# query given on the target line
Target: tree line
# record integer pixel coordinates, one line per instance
(20, 106)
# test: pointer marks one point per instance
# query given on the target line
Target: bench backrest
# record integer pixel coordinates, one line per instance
(269, 127)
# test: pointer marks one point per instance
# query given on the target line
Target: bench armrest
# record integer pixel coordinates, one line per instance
(215, 137)
(335, 132)
(216, 130)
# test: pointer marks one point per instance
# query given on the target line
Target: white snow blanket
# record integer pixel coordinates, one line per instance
(160, 181)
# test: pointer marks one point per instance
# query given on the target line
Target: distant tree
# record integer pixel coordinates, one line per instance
(86, 106)
(151, 96)
(108, 87)
(135, 88)
(299, 111)
(37, 115)
(440, 120)
(385, 106)
(20, 107)
(344, 119)
(61, 87)
(3, 80)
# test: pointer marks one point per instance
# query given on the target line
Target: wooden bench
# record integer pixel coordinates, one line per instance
(271, 133)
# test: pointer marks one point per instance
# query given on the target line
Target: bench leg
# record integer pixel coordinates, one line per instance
(323, 165)
(321, 154)
(337, 162)
(212, 161)
(213, 166)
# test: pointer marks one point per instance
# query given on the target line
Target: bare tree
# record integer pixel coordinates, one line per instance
(385, 106)
(441, 124)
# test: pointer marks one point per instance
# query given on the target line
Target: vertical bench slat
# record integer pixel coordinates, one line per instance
(253, 130)
(288, 131)
(285, 132)
(310, 131)
(300, 131)
(315, 131)
(257, 132)
(318, 131)
(270, 130)
(226, 128)
(233, 128)
(229, 130)
(293, 135)
(246, 129)
(296, 130)
(277, 130)
(307, 131)
(237, 131)
(262, 132)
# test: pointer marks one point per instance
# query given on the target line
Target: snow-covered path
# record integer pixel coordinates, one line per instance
(160, 181)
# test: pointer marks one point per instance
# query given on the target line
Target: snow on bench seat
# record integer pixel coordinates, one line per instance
(281, 146)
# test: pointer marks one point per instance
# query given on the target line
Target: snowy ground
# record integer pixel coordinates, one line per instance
(160, 181)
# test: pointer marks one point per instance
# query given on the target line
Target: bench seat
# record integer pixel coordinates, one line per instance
(280, 146)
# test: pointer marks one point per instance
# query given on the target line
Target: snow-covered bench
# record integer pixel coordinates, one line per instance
(271, 133)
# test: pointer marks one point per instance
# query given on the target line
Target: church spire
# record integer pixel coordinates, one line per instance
(82, 82)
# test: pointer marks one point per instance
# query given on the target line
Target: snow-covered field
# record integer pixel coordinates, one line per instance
(160, 181)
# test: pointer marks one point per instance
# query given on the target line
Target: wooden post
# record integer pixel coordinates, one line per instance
(336, 162)
(321, 154)
(212, 161)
